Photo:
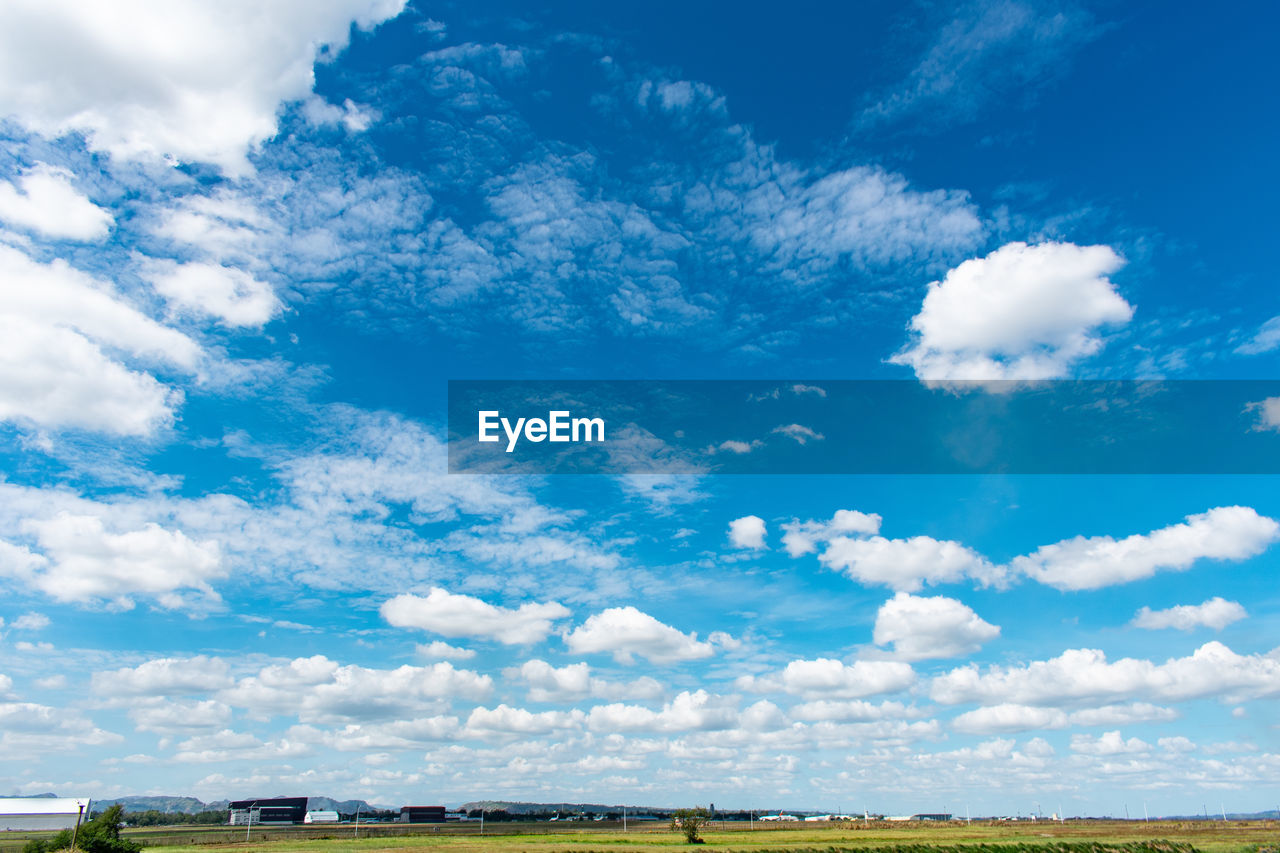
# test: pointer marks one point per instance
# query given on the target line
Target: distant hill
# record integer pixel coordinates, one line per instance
(183, 805)
(571, 808)
(191, 805)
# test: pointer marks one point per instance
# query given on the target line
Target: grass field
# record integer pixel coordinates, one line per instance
(1020, 837)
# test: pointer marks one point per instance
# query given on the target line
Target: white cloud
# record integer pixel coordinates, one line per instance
(171, 717)
(53, 371)
(1021, 312)
(736, 447)
(799, 433)
(164, 677)
(907, 564)
(1223, 533)
(1107, 744)
(452, 615)
(83, 561)
(987, 50)
(802, 537)
(1216, 613)
(626, 632)
(225, 225)
(696, 711)
(507, 720)
(190, 82)
(574, 681)
(45, 201)
(851, 711)
(317, 689)
(937, 627)
(233, 296)
(1007, 718)
(440, 650)
(825, 678)
(1268, 414)
(1085, 675)
(747, 532)
(1117, 715)
(1266, 339)
(28, 730)
(31, 622)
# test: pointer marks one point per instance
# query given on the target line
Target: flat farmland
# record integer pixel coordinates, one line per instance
(1082, 836)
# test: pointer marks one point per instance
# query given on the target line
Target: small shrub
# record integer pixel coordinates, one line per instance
(690, 821)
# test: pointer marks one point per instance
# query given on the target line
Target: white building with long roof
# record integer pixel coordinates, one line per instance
(21, 814)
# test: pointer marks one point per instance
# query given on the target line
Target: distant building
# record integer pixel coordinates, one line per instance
(422, 814)
(269, 811)
(19, 814)
(937, 816)
(325, 816)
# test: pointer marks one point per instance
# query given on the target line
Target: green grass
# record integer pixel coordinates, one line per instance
(1072, 837)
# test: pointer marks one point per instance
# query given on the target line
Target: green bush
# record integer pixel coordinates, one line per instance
(100, 835)
(690, 821)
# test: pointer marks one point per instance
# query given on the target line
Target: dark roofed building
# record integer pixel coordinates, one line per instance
(422, 814)
(269, 810)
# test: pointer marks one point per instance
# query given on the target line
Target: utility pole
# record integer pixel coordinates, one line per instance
(76, 831)
(357, 833)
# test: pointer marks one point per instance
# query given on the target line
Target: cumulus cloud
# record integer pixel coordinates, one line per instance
(626, 632)
(574, 681)
(233, 296)
(825, 678)
(747, 532)
(1223, 533)
(317, 689)
(1007, 718)
(28, 730)
(453, 615)
(164, 677)
(1021, 312)
(175, 717)
(506, 720)
(1216, 613)
(919, 628)
(82, 561)
(851, 711)
(802, 537)
(689, 711)
(1108, 744)
(907, 564)
(441, 650)
(45, 201)
(1085, 675)
(54, 372)
(31, 622)
(191, 83)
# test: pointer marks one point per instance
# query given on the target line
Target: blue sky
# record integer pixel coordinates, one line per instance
(241, 256)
